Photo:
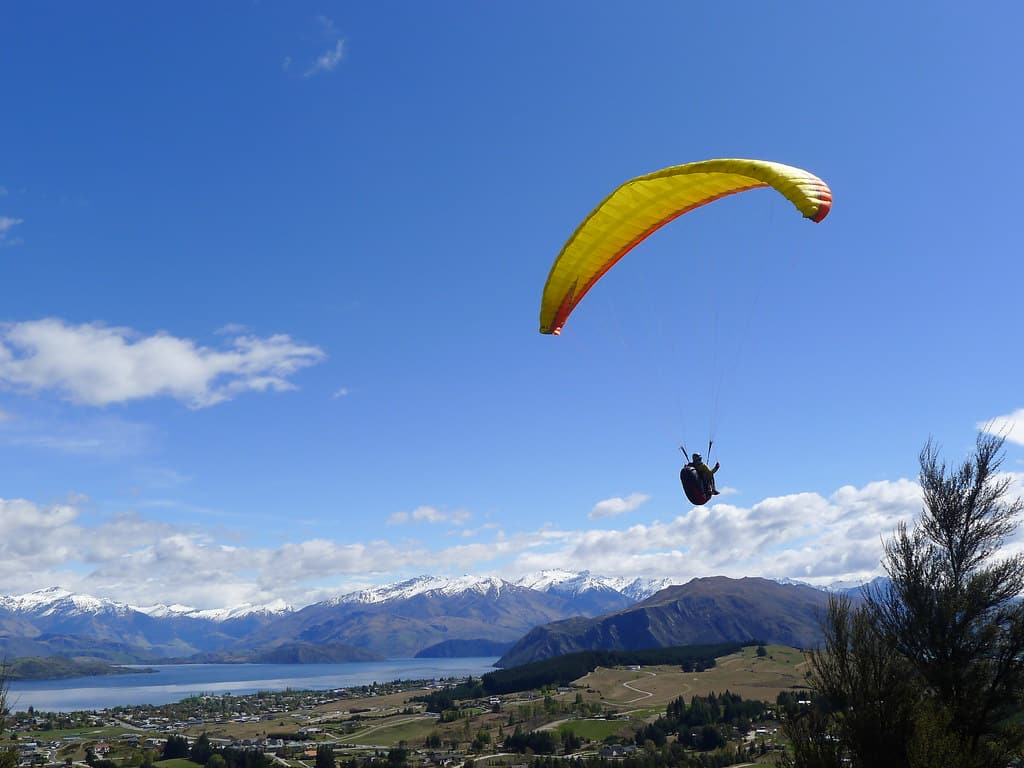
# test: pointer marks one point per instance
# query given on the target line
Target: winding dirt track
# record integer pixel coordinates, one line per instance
(644, 694)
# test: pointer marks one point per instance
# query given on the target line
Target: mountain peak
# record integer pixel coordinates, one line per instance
(423, 585)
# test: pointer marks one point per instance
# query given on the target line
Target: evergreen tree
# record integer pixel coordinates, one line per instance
(930, 669)
(324, 756)
(952, 610)
(175, 746)
(201, 750)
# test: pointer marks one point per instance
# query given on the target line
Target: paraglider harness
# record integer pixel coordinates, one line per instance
(697, 488)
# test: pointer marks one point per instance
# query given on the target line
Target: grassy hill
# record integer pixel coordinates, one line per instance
(745, 673)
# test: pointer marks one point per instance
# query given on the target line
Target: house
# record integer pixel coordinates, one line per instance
(618, 750)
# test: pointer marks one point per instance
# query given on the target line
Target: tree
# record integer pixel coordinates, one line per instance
(324, 756)
(201, 751)
(5, 679)
(175, 746)
(8, 755)
(865, 696)
(930, 668)
(952, 610)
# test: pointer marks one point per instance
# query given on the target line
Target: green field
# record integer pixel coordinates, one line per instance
(411, 730)
(598, 730)
(178, 762)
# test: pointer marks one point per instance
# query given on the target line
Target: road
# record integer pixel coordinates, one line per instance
(645, 694)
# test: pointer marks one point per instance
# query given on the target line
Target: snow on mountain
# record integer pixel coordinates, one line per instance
(557, 581)
(421, 585)
(275, 608)
(53, 601)
(854, 587)
(565, 582)
(544, 581)
(640, 589)
(160, 611)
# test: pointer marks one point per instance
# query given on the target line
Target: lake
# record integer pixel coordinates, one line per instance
(173, 682)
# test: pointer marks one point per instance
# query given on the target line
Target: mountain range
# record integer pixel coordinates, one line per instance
(426, 616)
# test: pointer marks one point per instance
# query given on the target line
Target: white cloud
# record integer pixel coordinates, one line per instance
(802, 536)
(93, 364)
(328, 60)
(1010, 426)
(427, 514)
(142, 561)
(617, 506)
(342, 392)
(5, 415)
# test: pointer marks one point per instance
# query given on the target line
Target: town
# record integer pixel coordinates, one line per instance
(608, 713)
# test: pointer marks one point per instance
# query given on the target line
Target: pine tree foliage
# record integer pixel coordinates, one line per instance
(952, 609)
(929, 669)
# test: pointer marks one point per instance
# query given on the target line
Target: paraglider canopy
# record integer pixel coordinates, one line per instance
(644, 204)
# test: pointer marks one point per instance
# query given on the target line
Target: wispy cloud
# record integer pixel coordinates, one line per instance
(7, 223)
(102, 436)
(328, 26)
(427, 514)
(1010, 426)
(342, 392)
(617, 506)
(328, 60)
(93, 364)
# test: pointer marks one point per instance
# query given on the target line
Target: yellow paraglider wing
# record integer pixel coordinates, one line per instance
(646, 203)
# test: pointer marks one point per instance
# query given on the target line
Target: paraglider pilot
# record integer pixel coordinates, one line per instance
(698, 479)
(707, 474)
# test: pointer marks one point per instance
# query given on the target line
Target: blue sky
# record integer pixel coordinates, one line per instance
(271, 275)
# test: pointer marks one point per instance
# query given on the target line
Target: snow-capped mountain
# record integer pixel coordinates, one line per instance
(853, 587)
(580, 585)
(640, 589)
(425, 615)
(569, 584)
(56, 601)
(160, 611)
(423, 585)
(55, 621)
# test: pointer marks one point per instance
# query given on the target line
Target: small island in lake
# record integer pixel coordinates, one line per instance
(60, 668)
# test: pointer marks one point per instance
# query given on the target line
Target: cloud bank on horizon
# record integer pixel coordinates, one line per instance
(140, 561)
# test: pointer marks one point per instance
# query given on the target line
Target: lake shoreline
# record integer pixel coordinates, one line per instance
(166, 684)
